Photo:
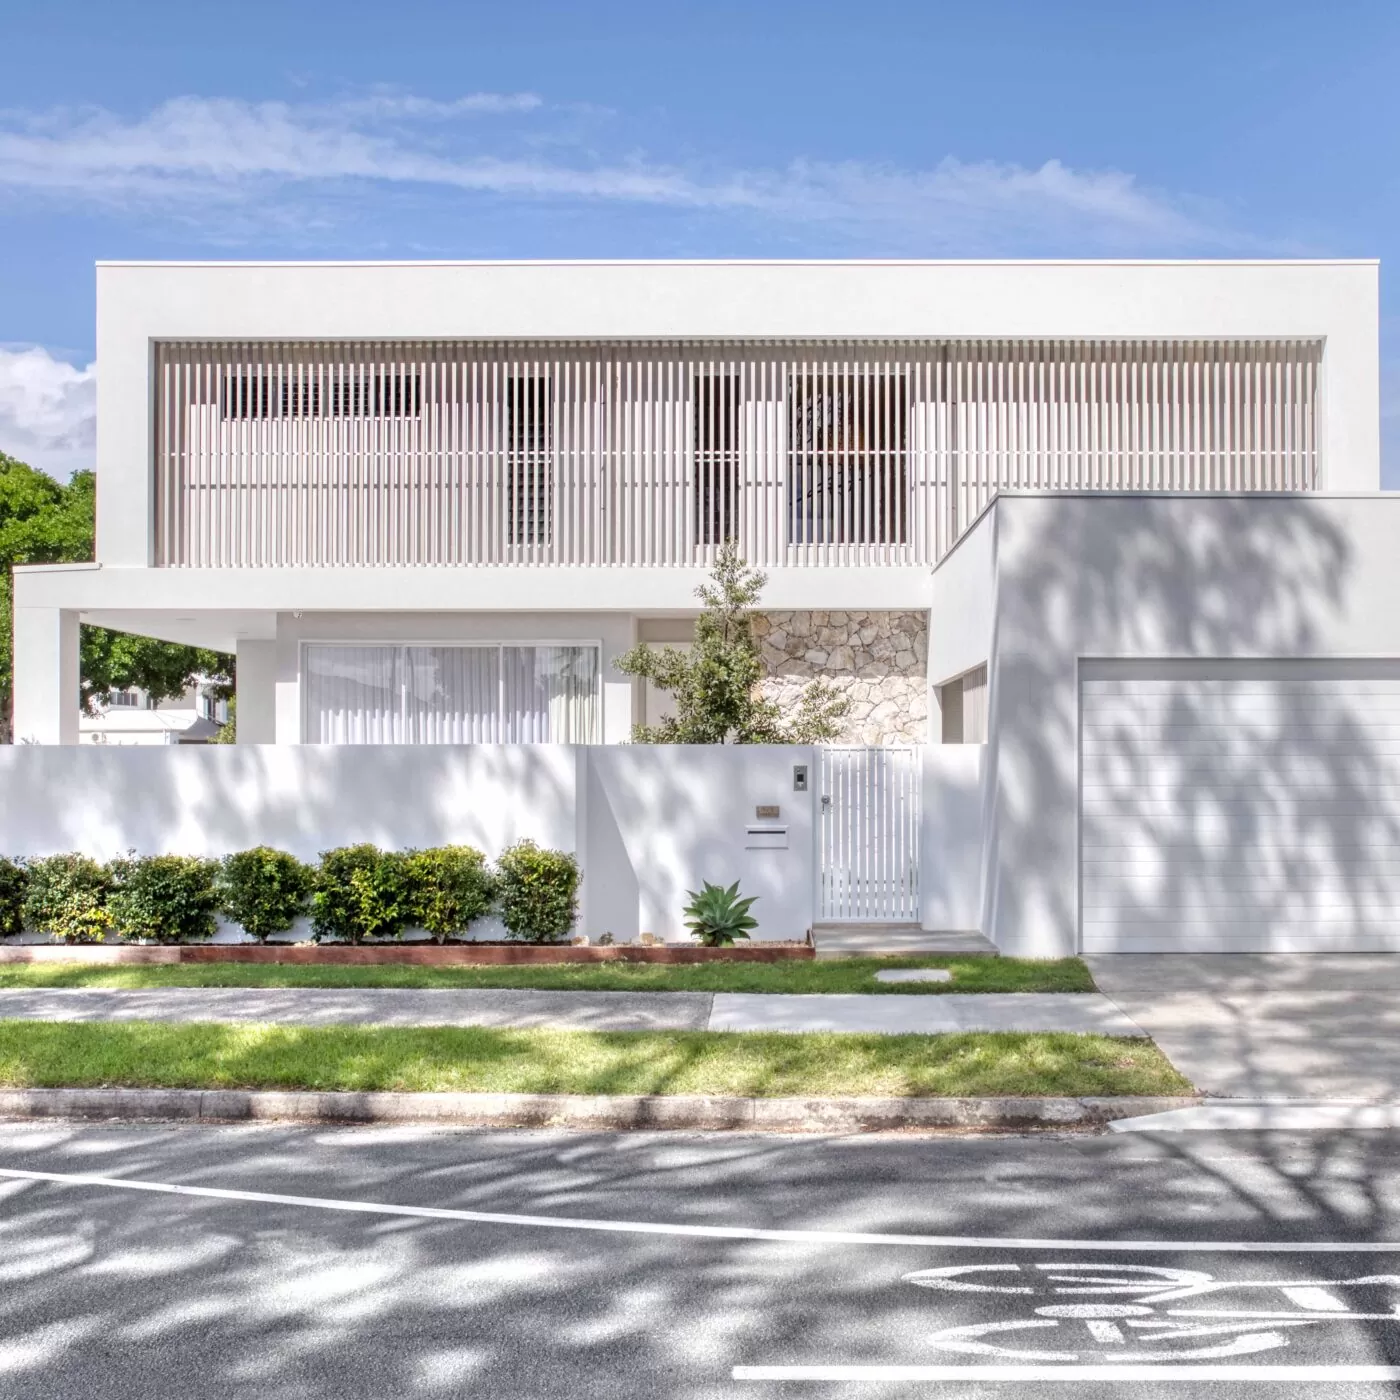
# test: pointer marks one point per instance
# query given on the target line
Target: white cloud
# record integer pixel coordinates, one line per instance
(205, 155)
(389, 103)
(48, 411)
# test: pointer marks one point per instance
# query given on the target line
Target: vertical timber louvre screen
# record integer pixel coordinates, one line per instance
(841, 453)
(868, 866)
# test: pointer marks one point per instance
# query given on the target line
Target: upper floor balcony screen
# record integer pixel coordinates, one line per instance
(464, 453)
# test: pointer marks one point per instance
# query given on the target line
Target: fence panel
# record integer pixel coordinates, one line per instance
(868, 870)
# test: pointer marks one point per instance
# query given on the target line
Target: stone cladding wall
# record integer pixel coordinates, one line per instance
(878, 659)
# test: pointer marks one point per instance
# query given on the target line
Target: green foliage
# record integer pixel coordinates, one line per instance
(452, 887)
(166, 899)
(715, 688)
(264, 890)
(718, 916)
(14, 880)
(44, 522)
(66, 897)
(538, 892)
(228, 730)
(361, 892)
(165, 670)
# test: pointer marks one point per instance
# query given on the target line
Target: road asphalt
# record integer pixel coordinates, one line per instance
(424, 1264)
(928, 1015)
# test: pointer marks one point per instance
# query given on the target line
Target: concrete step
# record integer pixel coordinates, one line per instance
(873, 940)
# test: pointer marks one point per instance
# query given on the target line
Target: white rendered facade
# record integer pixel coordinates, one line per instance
(491, 467)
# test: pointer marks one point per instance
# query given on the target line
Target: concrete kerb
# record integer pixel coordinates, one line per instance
(573, 1111)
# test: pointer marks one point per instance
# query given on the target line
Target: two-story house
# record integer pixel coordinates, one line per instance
(431, 503)
(1118, 523)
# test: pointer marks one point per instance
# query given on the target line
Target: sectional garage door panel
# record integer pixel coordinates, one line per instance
(1240, 806)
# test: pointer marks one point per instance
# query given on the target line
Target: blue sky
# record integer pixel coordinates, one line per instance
(301, 129)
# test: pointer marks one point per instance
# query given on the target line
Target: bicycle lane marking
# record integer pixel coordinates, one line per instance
(1106, 1321)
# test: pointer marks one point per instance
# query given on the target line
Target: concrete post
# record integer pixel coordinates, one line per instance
(257, 692)
(46, 694)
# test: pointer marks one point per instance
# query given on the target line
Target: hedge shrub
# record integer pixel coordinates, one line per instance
(265, 890)
(361, 892)
(167, 899)
(14, 880)
(452, 888)
(538, 892)
(66, 897)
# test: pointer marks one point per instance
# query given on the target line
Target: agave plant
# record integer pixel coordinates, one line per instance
(718, 916)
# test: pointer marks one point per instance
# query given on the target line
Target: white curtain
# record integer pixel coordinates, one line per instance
(452, 695)
(571, 679)
(353, 695)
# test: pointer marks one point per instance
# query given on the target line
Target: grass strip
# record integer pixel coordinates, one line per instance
(845, 975)
(145, 1054)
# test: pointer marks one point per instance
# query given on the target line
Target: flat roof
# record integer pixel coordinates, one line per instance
(741, 262)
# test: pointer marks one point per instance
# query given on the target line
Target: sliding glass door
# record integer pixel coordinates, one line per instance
(451, 694)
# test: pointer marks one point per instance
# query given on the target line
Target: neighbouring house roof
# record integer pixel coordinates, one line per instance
(129, 726)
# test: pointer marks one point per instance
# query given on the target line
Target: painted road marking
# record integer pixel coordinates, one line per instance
(1318, 1375)
(1137, 1326)
(715, 1232)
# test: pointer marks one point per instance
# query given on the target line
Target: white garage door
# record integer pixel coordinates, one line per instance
(1240, 806)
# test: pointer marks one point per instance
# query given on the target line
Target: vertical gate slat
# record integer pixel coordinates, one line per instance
(869, 839)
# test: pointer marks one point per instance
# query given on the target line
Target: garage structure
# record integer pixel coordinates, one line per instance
(1240, 806)
(1193, 719)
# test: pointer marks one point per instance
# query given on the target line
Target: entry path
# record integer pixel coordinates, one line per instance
(603, 1011)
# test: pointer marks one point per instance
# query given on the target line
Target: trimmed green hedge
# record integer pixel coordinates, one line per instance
(164, 899)
(538, 892)
(354, 893)
(14, 881)
(66, 897)
(452, 887)
(361, 892)
(265, 891)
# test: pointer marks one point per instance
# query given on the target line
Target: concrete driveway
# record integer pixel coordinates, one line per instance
(1278, 1025)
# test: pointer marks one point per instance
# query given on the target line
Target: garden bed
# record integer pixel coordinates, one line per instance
(401, 954)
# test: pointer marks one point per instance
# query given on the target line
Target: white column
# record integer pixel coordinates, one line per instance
(46, 697)
(257, 691)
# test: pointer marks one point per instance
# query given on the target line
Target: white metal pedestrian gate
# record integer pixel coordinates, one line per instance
(868, 835)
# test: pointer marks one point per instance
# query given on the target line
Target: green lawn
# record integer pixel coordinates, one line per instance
(847, 975)
(145, 1054)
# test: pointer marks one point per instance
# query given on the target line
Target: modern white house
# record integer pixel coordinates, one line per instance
(1114, 525)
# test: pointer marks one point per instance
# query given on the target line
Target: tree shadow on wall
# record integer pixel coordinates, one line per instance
(1222, 807)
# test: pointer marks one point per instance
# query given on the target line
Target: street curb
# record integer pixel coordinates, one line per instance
(574, 1110)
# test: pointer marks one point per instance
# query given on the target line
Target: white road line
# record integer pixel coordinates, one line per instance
(1320, 1375)
(713, 1232)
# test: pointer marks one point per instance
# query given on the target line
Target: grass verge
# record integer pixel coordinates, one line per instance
(846, 975)
(150, 1055)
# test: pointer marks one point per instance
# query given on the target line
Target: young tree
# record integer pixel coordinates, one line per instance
(715, 687)
(44, 522)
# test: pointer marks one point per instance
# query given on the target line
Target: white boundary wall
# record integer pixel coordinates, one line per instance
(648, 823)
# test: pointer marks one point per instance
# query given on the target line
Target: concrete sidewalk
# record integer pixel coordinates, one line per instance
(613, 1011)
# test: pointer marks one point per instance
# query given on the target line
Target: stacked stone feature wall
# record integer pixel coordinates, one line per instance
(877, 659)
